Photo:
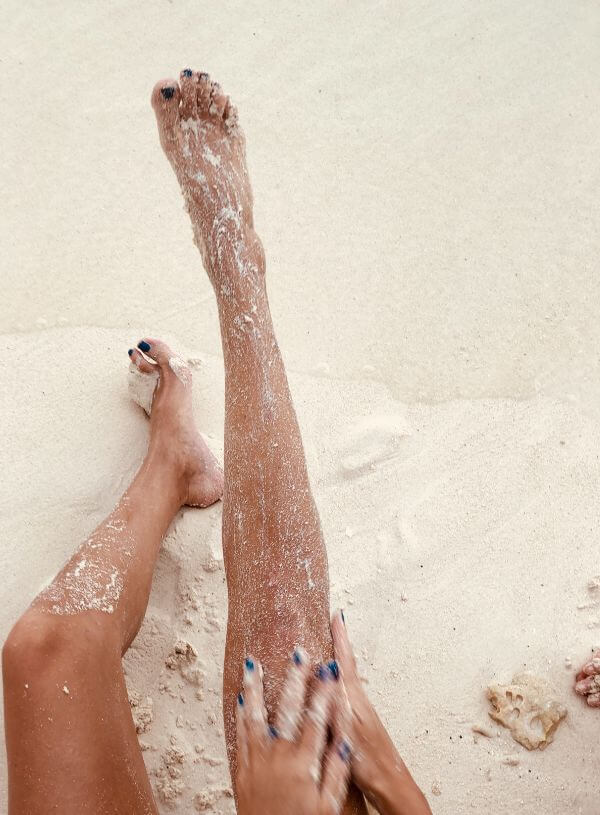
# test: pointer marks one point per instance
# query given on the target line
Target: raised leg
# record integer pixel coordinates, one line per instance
(71, 742)
(275, 557)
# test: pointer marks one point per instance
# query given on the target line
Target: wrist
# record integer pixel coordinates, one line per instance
(394, 792)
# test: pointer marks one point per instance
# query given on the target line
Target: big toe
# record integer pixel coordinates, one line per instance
(167, 360)
(165, 101)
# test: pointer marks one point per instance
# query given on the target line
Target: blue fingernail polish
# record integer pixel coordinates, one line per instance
(334, 668)
(344, 751)
(273, 732)
(187, 72)
(167, 92)
(249, 664)
(144, 346)
(323, 673)
(240, 700)
(297, 657)
(130, 352)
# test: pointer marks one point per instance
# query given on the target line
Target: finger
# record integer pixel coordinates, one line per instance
(593, 700)
(318, 717)
(255, 714)
(343, 650)
(242, 735)
(291, 705)
(336, 777)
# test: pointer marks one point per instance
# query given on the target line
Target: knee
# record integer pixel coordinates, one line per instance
(43, 642)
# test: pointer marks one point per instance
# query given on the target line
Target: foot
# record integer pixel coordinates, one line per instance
(173, 434)
(201, 137)
(587, 681)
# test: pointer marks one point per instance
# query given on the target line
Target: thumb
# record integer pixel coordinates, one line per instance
(343, 650)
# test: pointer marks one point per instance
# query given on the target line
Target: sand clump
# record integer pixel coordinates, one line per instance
(528, 708)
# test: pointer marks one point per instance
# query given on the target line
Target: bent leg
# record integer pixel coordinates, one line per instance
(275, 557)
(72, 746)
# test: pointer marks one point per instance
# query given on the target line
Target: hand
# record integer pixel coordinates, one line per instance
(281, 770)
(377, 768)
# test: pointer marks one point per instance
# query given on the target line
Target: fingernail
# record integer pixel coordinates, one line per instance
(249, 664)
(187, 72)
(130, 352)
(344, 751)
(240, 700)
(334, 668)
(297, 657)
(144, 346)
(167, 92)
(273, 732)
(323, 673)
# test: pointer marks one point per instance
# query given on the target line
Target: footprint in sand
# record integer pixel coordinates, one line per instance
(372, 442)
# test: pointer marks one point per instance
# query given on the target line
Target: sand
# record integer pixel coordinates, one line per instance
(426, 180)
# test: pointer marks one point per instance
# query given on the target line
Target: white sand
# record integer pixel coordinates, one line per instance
(426, 179)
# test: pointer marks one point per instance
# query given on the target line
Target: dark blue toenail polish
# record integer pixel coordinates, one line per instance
(344, 751)
(187, 72)
(240, 700)
(342, 616)
(249, 664)
(167, 92)
(323, 673)
(202, 75)
(297, 657)
(273, 732)
(130, 352)
(144, 346)
(333, 667)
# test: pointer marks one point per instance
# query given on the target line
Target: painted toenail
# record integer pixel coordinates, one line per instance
(249, 665)
(144, 346)
(187, 72)
(334, 668)
(240, 700)
(167, 92)
(203, 75)
(130, 352)
(273, 732)
(297, 657)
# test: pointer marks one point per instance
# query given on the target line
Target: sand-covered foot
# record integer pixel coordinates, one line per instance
(173, 433)
(587, 681)
(201, 137)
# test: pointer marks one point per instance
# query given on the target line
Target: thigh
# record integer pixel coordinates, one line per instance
(71, 742)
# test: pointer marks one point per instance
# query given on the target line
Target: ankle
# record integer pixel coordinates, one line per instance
(167, 467)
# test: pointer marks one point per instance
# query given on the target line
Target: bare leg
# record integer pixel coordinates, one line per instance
(72, 746)
(275, 557)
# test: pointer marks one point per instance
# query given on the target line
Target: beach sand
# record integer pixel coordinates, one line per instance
(426, 179)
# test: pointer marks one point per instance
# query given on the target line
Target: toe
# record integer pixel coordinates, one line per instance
(218, 100)
(141, 363)
(188, 83)
(165, 101)
(157, 350)
(593, 700)
(203, 89)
